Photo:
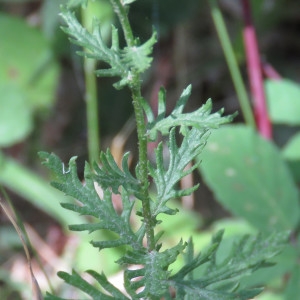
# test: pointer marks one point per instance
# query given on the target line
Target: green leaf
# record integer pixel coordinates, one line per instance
(283, 101)
(165, 179)
(247, 255)
(121, 61)
(95, 47)
(194, 140)
(249, 177)
(291, 153)
(31, 70)
(201, 119)
(291, 150)
(284, 264)
(220, 280)
(101, 278)
(15, 116)
(194, 262)
(194, 292)
(91, 203)
(292, 289)
(52, 297)
(137, 57)
(152, 276)
(111, 176)
(76, 280)
(27, 81)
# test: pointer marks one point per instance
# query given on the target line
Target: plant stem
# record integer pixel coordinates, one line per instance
(232, 63)
(91, 99)
(255, 74)
(123, 18)
(135, 88)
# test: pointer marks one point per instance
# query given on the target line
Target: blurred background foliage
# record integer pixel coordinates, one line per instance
(42, 108)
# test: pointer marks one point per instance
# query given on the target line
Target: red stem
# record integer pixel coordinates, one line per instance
(255, 74)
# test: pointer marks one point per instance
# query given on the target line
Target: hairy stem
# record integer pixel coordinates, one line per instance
(91, 98)
(135, 88)
(123, 18)
(232, 63)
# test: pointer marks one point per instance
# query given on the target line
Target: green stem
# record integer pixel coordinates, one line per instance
(123, 18)
(91, 99)
(232, 63)
(135, 88)
(143, 166)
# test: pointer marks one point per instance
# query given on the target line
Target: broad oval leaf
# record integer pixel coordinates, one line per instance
(26, 61)
(15, 116)
(250, 178)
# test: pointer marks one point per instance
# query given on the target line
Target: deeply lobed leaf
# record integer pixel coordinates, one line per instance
(121, 61)
(137, 57)
(109, 175)
(246, 256)
(221, 280)
(165, 179)
(153, 274)
(92, 204)
(195, 128)
(77, 281)
(201, 119)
